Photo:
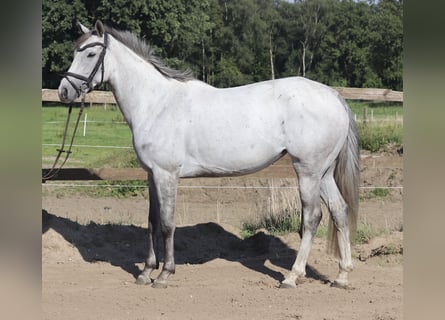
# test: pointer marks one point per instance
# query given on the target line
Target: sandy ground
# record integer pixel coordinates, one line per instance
(92, 250)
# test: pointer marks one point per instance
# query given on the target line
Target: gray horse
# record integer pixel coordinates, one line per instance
(183, 127)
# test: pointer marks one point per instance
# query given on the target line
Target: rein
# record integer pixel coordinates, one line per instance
(51, 173)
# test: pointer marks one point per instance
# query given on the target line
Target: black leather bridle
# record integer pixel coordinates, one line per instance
(87, 85)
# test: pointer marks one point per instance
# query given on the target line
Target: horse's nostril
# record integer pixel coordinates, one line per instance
(64, 93)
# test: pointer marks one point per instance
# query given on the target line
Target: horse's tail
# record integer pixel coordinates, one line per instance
(347, 177)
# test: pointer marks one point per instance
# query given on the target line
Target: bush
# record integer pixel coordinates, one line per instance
(274, 224)
(374, 138)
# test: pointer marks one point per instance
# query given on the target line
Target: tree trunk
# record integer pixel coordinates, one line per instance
(303, 58)
(203, 61)
(272, 68)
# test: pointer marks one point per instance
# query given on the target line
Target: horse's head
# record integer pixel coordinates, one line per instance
(87, 69)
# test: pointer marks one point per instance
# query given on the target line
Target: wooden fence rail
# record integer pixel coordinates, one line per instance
(106, 97)
(370, 94)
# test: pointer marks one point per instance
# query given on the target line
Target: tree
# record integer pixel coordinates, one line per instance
(311, 16)
(59, 29)
(245, 36)
(228, 42)
(121, 14)
(344, 51)
(386, 42)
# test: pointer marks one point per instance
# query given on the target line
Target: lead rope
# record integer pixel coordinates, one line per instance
(51, 173)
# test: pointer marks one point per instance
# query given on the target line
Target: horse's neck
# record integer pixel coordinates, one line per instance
(136, 84)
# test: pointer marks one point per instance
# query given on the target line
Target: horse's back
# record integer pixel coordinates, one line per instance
(292, 94)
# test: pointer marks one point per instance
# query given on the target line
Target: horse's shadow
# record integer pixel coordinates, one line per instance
(126, 245)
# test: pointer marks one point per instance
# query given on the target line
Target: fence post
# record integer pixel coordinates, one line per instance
(85, 125)
(365, 116)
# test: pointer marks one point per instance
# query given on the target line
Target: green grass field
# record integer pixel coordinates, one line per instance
(382, 112)
(107, 130)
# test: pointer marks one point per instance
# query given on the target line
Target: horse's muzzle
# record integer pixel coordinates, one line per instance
(63, 94)
(67, 93)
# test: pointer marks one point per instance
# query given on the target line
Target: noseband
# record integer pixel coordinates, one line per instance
(87, 85)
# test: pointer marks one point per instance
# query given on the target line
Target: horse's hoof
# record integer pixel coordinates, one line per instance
(160, 284)
(288, 284)
(143, 280)
(340, 284)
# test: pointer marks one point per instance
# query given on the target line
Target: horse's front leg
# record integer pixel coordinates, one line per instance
(152, 261)
(166, 184)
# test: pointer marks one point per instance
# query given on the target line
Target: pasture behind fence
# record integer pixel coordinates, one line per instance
(367, 117)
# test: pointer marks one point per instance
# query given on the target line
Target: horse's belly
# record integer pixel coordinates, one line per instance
(229, 163)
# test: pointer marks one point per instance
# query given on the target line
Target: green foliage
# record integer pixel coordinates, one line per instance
(119, 189)
(292, 223)
(228, 74)
(100, 189)
(366, 232)
(275, 224)
(376, 193)
(380, 192)
(383, 129)
(374, 138)
(226, 43)
(58, 29)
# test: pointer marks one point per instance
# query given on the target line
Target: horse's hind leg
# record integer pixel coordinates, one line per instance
(310, 198)
(153, 224)
(338, 209)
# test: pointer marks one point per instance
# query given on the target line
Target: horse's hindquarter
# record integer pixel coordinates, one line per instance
(316, 123)
(244, 129)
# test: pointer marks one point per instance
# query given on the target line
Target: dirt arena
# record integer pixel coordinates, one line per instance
(93, 248)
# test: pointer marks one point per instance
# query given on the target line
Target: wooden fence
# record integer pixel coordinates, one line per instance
(106, 97)
(370, 94)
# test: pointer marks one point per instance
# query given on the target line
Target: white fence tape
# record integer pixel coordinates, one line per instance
(49, 184)
(87, 146)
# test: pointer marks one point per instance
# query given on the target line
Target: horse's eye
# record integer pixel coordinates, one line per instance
(91, 54)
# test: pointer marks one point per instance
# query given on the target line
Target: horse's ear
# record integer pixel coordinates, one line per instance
(83, 28)
(99, 28)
